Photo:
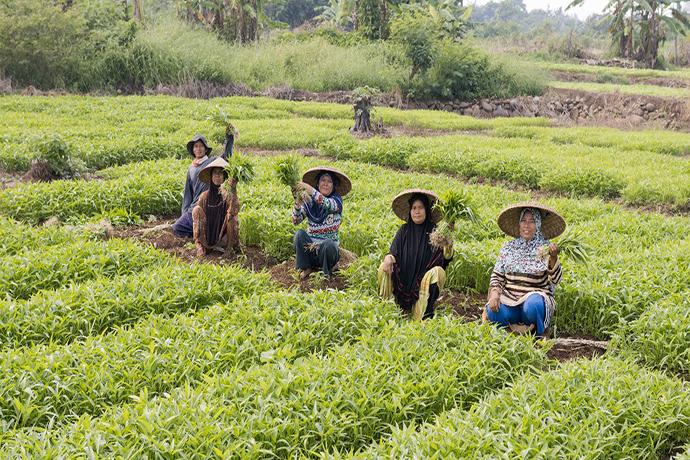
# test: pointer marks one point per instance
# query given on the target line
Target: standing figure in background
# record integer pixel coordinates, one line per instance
(199, 150)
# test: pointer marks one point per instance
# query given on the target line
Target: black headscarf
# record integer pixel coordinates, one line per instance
(414, 255)
(215, 210)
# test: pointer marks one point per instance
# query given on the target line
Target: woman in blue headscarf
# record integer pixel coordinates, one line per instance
(527, 270)
(319, 201)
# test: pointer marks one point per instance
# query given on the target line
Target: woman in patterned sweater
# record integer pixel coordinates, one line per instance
(527, 270)
(319, 201)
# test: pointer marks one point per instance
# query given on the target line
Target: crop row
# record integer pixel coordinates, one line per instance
(105, 135)
(101, 304)
(61, 382)
(655, 141)
(628, 269)
(680, 74)
(108, 131)
(16, 237)
(643, 90)
(640, 178)
(604, 408)
(660, 337)
(345, 400)
(25, 273)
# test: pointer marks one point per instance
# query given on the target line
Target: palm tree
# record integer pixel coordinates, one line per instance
(654, 20)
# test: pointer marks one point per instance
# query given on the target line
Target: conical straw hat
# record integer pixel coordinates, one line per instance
(205, 173)
(342, 188)
(401, 204)
(552, 224)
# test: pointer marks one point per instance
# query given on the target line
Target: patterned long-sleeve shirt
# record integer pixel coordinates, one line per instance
(330, 226)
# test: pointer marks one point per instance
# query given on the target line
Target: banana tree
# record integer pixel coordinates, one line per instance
(639, 27)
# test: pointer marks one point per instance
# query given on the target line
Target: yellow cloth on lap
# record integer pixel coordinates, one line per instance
(434, 275)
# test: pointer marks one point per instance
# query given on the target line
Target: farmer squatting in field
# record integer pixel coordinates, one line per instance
(215, 208)
(319, 200)
(527, 270)
(413, 272)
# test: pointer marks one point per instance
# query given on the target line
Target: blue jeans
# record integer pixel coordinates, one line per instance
(531, 311)
(184, 226)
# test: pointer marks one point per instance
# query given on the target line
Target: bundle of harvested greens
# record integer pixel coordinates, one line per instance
(287, 172)
(453, 205)
(240, 168)
(569, 245)
(222, 118)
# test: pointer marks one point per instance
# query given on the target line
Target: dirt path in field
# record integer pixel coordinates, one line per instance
(251, 257)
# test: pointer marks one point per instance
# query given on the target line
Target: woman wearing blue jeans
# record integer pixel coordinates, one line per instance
(527, 270)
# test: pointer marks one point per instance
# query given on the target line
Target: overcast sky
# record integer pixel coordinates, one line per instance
(587, 8)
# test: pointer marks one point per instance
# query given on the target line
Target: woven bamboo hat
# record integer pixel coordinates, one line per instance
(205, 173)
(401, 203)
(342, 186)
(552, 224)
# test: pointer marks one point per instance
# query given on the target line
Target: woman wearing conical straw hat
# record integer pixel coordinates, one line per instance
(213, 210)
(413, 272)
(320, 202)
(200, 152)
(521, 292)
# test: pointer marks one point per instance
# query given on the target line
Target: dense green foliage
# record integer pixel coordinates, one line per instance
(160, 353)
(99, 305)
(660, 337)
(113, 349)
(346, 399)
(585, 410)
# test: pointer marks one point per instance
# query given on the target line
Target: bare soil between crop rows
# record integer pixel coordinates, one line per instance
(467, 306)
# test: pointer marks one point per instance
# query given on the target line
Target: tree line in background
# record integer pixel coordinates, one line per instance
(639, 27)
(417, 47)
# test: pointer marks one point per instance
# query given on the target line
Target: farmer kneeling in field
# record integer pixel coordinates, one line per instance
(319, 200)
(414, 270)
(211, 215)
(199, 150)
(527, 270)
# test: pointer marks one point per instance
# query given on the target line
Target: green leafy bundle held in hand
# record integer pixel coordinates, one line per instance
(240, 168)
(454, 206)
(287, 171)
(571, 246)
